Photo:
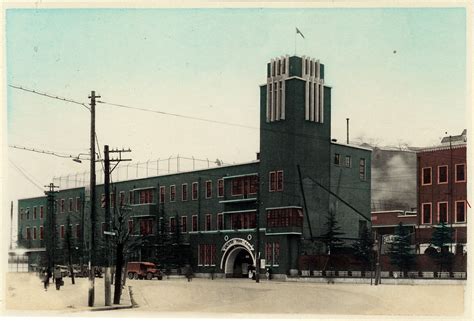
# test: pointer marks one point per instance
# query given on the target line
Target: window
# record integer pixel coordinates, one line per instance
(145, 196)
(78, 231)
(41, 211)
(184, 224)
(130, 226)
(62, 231)
(34, 212)
(34, 233)
(443, 212)
(184, 192)
(103, 229)
(27, 213)
(41, 232)
(122, 198)
(78, 204)
(285, 217)
(146, 226)
(460, 211)
(172, 225)
(426, 176)
(71, 204)
(162, 194)
(337, 159)
(220, 221)
(220, 187)
(62, 205)
(102, 201)
(426, 218)
(348, 161)
(206, 254)
(194, 223)
(173, 193)
(362, 175)
(272, 185)
(112, 199)
(279, 185)
(208, 222)
(21, 213)
(442, 174)
(208, 189)
(460, 173)
(195, 188)
(272, 253)
(28, 235)
(244, 220)
(130, 197)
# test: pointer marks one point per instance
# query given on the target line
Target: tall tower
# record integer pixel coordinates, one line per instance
(295, 129)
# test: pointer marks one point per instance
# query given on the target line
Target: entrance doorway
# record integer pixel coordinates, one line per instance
(238, 262)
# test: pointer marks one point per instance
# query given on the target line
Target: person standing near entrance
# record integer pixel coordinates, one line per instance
(45, 279)
(58, 278)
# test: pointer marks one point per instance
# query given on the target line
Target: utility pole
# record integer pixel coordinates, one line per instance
(51, 226)
(257, 228)
(11, 224)
(92, 204)
(377, 264)
(451, 207)
(347, 123)
(108, 217)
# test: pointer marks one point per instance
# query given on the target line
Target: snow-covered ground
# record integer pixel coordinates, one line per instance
(25, 293)
(242, 297)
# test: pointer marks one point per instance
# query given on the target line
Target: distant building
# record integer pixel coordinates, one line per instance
(215, 211)
(442, 190)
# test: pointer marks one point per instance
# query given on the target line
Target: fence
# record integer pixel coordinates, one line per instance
(127, 171)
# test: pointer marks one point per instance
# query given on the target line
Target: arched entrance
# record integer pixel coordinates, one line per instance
(237, 258)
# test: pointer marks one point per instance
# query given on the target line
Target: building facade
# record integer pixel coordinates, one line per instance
(442, 193)
(216, 212)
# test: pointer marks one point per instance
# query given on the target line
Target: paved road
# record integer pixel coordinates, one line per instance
(242, 296)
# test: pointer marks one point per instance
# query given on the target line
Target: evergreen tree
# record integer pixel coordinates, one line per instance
(363, 248)
(441, 238)
(331, 238)
(401, 254)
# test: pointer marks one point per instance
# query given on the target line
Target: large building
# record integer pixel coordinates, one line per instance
(216, 211)
(442, 191)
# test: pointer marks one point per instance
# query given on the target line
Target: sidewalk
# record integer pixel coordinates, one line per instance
(25, 293)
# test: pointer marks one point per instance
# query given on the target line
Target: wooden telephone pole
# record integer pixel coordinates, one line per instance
(108, 233)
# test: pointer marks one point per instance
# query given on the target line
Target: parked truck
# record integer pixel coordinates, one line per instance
(143, 270)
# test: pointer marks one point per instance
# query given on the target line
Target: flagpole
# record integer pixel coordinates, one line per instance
(295, 42)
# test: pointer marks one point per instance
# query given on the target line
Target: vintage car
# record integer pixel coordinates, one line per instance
(143, 270)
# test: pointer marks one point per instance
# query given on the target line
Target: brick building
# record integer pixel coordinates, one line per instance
(442, 191)
(215, 211)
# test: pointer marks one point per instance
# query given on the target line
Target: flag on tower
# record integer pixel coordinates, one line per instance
(299, 32)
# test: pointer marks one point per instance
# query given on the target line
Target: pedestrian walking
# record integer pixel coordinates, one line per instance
(45, 275)
(58, 278)
(189, 274)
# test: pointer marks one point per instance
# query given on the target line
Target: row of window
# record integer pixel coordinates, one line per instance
(25, 214)
(285, 217)
(72, 207)
(442, 214)
(348, 164)
(31, 232)
(443, 174)
(206, 254)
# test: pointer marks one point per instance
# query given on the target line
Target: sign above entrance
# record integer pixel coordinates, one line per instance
(236, 241)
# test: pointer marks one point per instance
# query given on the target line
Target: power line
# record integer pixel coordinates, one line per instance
(176, 115)
(23, 172)
(40, 151)
(50, 96)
